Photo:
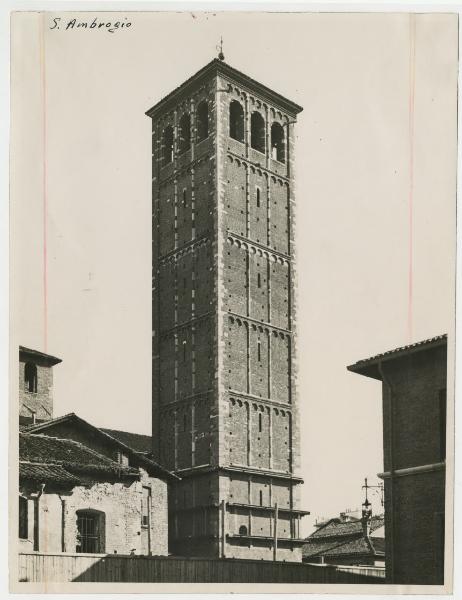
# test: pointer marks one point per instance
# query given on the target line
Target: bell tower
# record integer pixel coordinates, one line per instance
(225, 414)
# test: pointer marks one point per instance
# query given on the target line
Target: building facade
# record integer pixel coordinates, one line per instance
(74, 499)
(35, 385)
(414, 441)
(83, 489)
(224, 396)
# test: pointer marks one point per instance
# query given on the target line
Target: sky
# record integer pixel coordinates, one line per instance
(376, 156)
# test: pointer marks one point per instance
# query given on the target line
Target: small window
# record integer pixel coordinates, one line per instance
(202, 121)
(185, 134)
(184, 197)
(277, 142)
(259, 280)
(258, 197)
(259, 425)
(167, 145)
(184, 350)
(242, 530)
(90, 531)
(261, 496)
(23, 519)
(30, 377)
(236, 121)
(259, 351)
(257, 132)
(145, 506)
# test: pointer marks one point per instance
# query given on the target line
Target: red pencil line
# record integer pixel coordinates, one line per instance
(412, 30)
(44, 181)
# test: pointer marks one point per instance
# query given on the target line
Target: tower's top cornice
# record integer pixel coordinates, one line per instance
(218, 67)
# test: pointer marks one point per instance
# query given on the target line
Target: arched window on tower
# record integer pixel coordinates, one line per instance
(202, 121)
(242, 530)
(236, 121)
(30, 377)
(277, 142)
(257, 132)
(167, 145)
(185, 134)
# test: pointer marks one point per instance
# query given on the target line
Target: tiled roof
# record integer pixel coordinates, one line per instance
(137, 441)
(73, 457)
(341, 548)
(46, 473)
(221, 67)
(48, 358)
(365, 365)
(336, 528)
(136, 457)
(319, 547)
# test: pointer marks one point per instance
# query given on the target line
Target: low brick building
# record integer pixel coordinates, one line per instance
(81, 488)
(74, 498)
(347, 542)
(414, 381)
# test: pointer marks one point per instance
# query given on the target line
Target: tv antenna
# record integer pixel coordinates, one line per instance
(378, 487)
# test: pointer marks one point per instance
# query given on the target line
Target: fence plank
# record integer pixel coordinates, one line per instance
(39, 567)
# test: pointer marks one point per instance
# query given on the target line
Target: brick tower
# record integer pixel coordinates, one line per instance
(224, 399)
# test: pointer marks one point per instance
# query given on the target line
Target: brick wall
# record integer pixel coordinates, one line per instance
(414, 501)
(223, 356)
(40, 402)
(119, 504)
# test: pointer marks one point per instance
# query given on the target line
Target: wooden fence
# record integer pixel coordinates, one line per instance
(39, 567)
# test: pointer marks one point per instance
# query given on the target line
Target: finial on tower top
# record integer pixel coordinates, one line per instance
(221, 56)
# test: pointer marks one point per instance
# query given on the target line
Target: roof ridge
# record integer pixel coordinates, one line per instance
(121, 444)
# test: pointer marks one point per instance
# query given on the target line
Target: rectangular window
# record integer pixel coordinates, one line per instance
(23, 519)
(259, 280)
(259, 351)
(258, 197)
(90, 531)
(145, 506)
(442, 424)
